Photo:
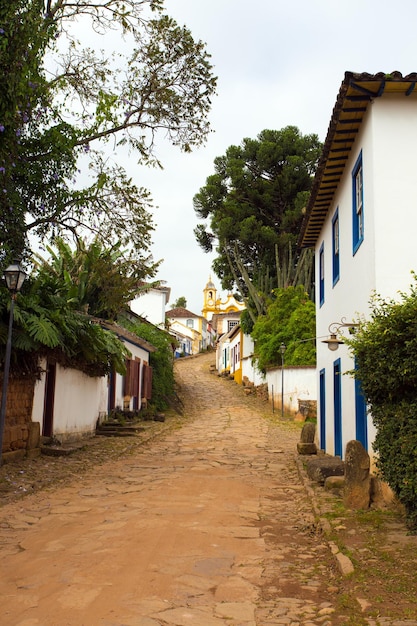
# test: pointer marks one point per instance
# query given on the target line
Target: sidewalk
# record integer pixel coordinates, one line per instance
(211, 522)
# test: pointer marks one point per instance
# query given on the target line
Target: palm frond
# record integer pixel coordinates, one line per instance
(43, 330)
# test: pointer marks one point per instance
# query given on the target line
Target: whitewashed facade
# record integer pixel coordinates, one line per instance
(249, 368)
(291, 387)
(151, 305)
(362, 221)
(234, 354)
(77, 402)
(67, 403)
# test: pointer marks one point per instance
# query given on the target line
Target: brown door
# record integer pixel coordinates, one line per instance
(48, 409)
(111, 404)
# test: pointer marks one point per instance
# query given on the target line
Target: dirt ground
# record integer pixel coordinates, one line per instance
(203, 520)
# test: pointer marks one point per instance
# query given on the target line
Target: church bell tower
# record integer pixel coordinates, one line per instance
(210, 300)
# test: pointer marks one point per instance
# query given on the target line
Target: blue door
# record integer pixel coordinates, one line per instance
(337, 400)
(322, 433)
(360, 415)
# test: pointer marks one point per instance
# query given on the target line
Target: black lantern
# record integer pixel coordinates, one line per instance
(14, 277)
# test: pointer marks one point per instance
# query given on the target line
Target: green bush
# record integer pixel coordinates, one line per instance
(290, 319)
(385, 351)
(396, 442)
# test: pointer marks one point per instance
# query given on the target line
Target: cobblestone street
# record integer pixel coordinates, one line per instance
(210, 523)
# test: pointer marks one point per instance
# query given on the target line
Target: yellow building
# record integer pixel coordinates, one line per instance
(213, 304)
(194, 329)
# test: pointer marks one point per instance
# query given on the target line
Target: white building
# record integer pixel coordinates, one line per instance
(151, 305)
(67, 403)
(361, 220)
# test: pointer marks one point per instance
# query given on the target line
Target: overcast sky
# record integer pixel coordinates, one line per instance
(278, 63)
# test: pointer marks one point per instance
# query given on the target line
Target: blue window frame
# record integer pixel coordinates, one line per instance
(323, 409)
(321, 275)
(357, 203)
(335, 247)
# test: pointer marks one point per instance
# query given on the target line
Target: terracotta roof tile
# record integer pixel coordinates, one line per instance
(180, 312)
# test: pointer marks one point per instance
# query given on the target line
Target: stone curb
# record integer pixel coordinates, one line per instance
(343, 562)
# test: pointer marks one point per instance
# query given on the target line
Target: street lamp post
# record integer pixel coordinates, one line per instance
(282, 348)
(14, 277)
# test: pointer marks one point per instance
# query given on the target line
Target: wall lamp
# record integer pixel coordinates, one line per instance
(334, 341)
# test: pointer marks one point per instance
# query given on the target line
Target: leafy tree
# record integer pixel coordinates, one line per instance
(61, 103)
(254, 206)
(90, 278)
(181, 302)
(163, 382)
(385, 351)
(50, 315)
(290, 319)
(45, 324)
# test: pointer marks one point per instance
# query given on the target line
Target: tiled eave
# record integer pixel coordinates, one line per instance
(355, 94)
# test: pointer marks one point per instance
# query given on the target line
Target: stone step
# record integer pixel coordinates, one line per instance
(107, 432)
(117, 427)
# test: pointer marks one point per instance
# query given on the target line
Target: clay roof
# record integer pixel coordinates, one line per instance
(180, 312)
(123, 333)
(355, 94)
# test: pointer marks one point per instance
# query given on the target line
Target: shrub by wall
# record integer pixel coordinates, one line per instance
(385, 350)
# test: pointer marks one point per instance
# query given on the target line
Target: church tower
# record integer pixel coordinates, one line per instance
(210, 305)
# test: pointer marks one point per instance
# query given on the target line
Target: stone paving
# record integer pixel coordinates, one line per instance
(210, 525)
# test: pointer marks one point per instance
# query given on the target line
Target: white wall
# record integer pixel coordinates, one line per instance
(249, 369)
(395, 204)
(80, 399)
(78, 403)
(299, 384)
(151, 306)
(384, 261)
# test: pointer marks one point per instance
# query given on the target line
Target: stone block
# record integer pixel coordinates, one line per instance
(308, 433)
(33, 453)
(357, 491)
(382, 495)
(14, 455)
(34, 435)
(345, 564)
(306, 448)
(307, 409)
(334, 483)
(321, 467)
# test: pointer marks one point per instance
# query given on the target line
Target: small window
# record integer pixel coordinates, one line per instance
(321, 275)
(357, 201)
(335, 246)
(190, 323)
(231, 324)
